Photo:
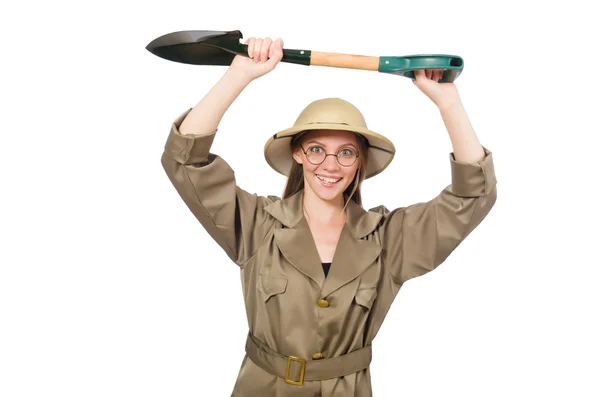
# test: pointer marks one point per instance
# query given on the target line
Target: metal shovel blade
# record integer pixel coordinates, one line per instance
(198, 47)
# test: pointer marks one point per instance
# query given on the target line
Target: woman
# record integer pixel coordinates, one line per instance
(311, 326)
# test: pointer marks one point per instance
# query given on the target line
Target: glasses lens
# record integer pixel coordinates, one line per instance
(347, 157)
(315, 154)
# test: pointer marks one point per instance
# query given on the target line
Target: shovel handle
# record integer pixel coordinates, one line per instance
(402, 66)
(345, 61)
(331, 59)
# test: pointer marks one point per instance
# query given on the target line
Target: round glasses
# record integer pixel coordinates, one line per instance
(316, 155)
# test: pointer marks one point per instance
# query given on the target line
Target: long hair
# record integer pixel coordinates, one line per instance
(295, 181)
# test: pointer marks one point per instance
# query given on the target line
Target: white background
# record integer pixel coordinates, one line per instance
(110, 287)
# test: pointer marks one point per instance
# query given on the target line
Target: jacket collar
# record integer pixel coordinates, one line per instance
(289, 212)
(352, 256)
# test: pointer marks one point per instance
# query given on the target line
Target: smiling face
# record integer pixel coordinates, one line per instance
(329, 179)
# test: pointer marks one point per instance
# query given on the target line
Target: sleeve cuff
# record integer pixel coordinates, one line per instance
(188, 148)
(473, 180)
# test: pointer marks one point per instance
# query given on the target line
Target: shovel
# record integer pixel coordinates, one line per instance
(208, 47)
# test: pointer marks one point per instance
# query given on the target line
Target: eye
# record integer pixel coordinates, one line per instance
(347, 152)
(315, 149)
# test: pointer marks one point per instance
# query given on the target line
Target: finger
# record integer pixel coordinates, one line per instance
(276, 54)
(257, 48)
(428, 73)
(251, 42)
(419, 74)
(273, 47)
(276, 51)
(265, 49)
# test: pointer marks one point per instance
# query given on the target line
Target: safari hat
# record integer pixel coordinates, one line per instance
(329, 114)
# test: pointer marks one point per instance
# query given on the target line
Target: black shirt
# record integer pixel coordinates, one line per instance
(326, 268)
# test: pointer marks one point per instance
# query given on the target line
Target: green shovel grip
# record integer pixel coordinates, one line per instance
(406, 65)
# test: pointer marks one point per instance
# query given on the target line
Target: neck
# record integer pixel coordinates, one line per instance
(322, 211)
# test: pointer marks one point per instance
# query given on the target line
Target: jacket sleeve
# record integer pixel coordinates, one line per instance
(234, 218)
(418, 238)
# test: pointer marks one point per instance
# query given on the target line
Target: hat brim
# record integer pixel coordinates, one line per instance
(278, 149)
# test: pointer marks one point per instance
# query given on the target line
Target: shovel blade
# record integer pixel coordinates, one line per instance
(198, 47)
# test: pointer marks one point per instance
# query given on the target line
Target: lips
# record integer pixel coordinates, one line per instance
(328, 181)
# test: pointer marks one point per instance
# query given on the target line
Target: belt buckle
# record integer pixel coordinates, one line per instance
(287, 371)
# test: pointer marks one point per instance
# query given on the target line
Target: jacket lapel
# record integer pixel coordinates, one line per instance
(352, 256)
(295, 240)
(298, 247)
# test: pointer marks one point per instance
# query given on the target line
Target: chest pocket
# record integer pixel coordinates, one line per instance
(271, 285)
(366, 296)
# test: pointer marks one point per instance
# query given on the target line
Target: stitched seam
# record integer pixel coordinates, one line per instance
(188, 148)
(475, 206)
(389, 268)
(268, 234)
(486, 182)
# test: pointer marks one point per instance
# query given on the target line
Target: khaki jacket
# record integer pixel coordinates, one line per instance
(282, 277)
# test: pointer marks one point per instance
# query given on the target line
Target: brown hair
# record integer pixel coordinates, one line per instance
(295, 181)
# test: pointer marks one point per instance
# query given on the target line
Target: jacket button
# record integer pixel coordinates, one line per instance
(318, 356)
(323, 303)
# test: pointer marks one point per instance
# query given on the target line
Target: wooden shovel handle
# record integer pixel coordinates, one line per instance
(346, 61)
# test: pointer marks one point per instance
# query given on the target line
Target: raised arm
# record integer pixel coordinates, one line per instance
(420, 237)
(206, 183)
(207, 114)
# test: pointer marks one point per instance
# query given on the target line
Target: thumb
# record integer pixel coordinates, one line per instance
(276, 51)
(279, 45)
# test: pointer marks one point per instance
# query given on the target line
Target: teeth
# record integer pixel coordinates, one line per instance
(328, 180)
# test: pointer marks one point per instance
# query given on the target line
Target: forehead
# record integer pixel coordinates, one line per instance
(331, 137)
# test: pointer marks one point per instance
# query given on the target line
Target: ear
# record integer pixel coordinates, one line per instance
(297, 154)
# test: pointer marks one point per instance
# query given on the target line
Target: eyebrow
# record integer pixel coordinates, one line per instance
(322, 144)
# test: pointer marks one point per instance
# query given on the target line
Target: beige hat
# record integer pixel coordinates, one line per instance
(329, 114)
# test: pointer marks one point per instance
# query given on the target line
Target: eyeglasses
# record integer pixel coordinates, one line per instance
(316, 155)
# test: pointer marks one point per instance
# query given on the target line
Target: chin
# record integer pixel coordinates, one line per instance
(328, 194)
(329, 197)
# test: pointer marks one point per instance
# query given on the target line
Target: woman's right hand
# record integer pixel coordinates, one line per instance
(264, 55)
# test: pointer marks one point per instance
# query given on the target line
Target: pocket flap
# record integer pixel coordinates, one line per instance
(366, 296)
(271, 285)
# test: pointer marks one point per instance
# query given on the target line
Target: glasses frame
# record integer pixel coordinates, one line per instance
(329, 154)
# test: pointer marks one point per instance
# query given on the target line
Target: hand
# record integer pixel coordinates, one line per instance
(264, 55)
(442, 94)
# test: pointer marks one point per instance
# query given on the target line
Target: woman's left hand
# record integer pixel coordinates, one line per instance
(442, 94)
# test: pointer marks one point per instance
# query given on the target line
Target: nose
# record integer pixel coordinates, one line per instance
(330, 163)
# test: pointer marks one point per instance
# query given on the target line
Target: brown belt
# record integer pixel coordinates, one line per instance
(327, 368)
